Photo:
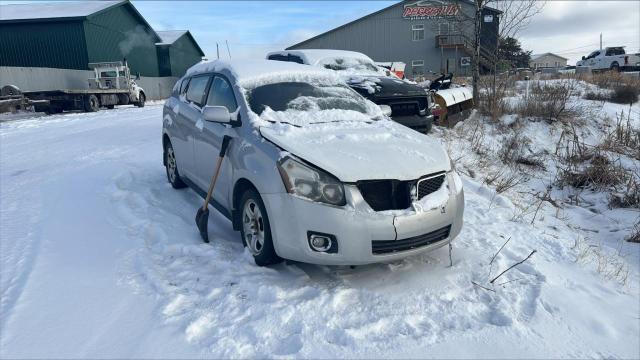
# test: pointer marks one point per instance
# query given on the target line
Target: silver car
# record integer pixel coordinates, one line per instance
(314, 172)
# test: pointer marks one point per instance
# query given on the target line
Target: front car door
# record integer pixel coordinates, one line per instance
(209, 139)
(190, 119)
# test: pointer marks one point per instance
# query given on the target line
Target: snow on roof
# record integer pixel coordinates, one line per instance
(53, 10)
(170, 36)
(315, 56)
(252, 73)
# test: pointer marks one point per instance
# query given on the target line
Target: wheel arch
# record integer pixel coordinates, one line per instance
(241, 185)
(165, 142)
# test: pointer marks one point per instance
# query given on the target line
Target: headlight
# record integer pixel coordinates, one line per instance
(310, 183)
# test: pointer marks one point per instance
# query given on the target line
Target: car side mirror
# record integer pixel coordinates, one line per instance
(138, 76)
(386, 110)
(218, 114)
(584, 58)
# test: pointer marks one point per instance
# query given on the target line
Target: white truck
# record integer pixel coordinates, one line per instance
(111, 85)
(611, 58)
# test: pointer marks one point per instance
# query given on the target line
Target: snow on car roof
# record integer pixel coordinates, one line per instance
(252, 73)
(315, 56)
(64, 9)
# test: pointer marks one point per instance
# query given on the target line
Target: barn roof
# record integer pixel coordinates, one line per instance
(169, 37)
(537, 56)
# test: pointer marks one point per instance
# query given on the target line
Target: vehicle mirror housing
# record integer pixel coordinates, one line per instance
(386, 110)
(218, 114)
(583, 58)
(138, 76)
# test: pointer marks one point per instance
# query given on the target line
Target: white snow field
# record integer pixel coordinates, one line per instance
(101, 258)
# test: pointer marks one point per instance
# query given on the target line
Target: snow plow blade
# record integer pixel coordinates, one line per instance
(455, 104)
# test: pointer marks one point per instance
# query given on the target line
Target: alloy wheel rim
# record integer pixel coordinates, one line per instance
(171, 164)
(253, 226)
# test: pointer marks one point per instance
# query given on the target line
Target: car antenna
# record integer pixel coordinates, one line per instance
(228, 51)
(217, 51)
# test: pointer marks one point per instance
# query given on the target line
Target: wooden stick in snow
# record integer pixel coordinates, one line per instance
(512, 266)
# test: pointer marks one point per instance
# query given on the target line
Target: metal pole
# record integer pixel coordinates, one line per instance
(217, 51)
(600, 41)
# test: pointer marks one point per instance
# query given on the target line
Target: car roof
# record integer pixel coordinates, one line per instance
(248, 72)
(314, 56)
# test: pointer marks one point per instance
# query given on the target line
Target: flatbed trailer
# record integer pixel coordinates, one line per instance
(111, 85)
(89, 100)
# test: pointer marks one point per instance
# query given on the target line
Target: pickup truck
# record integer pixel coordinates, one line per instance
(611, 58)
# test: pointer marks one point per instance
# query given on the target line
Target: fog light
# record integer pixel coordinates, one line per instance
(320, 242)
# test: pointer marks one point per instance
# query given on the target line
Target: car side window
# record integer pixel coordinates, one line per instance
(196, 89)
(221, 94)
(278, 57)
(183, 86)
(295, 59)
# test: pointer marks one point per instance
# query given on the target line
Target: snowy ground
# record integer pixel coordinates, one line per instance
(100, 257)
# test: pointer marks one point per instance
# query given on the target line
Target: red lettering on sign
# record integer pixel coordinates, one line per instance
(430, 11)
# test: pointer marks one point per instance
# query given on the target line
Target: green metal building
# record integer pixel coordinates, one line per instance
(69, 35)
(177, 52)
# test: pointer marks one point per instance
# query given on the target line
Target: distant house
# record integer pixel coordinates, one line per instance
(547, 60)
(177, 51)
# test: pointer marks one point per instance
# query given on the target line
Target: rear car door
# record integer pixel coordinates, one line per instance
(208, 141)
(190, 120)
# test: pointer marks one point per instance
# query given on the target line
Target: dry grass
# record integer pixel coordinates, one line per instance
(634, 236)
(623, 139)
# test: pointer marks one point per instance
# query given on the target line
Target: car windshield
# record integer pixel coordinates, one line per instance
(301, 103)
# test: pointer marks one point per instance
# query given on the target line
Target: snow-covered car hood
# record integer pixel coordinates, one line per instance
(354, 151)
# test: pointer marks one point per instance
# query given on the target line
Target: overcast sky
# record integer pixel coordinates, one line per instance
(567, 28)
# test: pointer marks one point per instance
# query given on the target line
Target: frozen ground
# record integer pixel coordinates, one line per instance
(100, 257)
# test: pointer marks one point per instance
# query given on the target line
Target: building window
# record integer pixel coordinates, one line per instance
(443, 28)
(417, 32)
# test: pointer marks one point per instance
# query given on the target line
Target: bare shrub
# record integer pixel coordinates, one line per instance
(504, 179)
(625, 94)
(634, 236)
(611, 80)
(491, 99)
(549, 101)
(596, 96)
(628, 197)
(599, 173)
(624, 139)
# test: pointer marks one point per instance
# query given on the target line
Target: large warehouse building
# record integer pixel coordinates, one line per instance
(427, 35)
(65, 37)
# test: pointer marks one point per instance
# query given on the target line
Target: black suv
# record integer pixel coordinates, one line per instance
(410, 104)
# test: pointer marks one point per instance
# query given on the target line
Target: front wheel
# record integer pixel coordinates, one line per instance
(141, 100)
(91, 103)
(256, 230)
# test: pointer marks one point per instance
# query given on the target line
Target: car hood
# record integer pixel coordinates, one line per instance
(384, 87)
(354, 151)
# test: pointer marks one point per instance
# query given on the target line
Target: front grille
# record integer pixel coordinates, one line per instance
(429, 185)
(390, 246)
(385, 194)
(404, 106)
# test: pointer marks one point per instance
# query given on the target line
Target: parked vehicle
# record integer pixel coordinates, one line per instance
(111, 85)
(410, 104)
(611, 58)
(314, 171)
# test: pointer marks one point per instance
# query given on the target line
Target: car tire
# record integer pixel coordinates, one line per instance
(171, 167)
(141, 100)
(91, 103)
(255, 229)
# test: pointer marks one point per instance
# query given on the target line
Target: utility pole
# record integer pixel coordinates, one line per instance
(476, 49)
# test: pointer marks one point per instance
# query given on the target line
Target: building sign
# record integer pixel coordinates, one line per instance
(429, 9)
(465, 61)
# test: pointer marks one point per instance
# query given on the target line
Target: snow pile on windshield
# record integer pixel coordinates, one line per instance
(351, 66)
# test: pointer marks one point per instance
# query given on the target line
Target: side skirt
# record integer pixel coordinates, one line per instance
(221, 209)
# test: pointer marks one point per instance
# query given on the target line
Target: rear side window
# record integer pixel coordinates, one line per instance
(278, 57)
(196, 89)
(221, 94)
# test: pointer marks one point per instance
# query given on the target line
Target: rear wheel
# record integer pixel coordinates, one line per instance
(256, 230)
(171, 166)
(615, 67)
(91, 103)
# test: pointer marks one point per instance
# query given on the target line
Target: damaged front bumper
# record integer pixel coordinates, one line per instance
(363, 236)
